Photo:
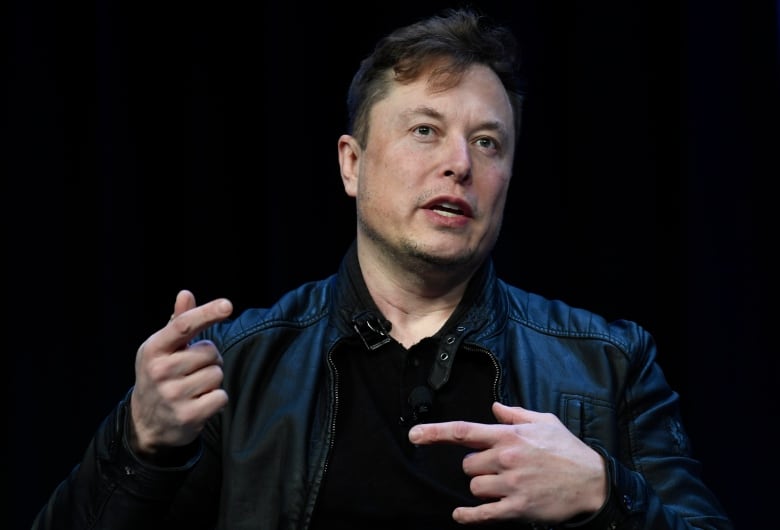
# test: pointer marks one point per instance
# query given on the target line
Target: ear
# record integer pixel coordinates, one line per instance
(349, 161)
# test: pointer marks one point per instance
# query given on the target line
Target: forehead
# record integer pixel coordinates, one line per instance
(440, 76)
(476, 91)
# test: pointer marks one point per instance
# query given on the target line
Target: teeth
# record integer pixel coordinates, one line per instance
(448, 209)
(447, 213)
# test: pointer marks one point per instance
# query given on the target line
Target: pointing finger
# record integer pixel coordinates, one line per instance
(192, 321)
(470, 434)
(464, 433)
(185, 301)
(187, 321)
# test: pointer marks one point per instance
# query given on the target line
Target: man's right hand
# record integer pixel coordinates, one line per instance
(177, 384)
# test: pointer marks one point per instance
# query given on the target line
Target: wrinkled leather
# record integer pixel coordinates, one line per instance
(599, 378)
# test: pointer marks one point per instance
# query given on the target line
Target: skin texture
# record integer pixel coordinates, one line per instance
(177, 386)
(529, 465)
(425, 149)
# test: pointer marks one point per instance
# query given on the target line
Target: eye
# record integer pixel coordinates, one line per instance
(485, 142)
(423, 130)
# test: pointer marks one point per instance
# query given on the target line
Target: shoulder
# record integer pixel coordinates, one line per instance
(558, 318)
(297, 309)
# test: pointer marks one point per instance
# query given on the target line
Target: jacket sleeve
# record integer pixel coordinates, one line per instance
(654, 479)
(112, 489)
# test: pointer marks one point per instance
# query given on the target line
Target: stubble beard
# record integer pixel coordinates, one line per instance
(410, 255)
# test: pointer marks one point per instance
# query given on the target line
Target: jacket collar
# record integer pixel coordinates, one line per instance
(357, 314)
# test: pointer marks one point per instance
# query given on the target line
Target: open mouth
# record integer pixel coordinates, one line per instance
(450, 207)
(447, 209)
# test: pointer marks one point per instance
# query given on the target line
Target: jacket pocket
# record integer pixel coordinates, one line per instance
(591, 420)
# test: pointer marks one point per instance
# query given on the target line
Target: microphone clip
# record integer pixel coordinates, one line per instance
(374, 331)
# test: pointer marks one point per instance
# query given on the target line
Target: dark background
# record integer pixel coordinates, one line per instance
(149, 148)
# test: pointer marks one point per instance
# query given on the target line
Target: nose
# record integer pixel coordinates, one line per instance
(458, 161)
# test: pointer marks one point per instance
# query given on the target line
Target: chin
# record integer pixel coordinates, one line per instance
(444, 257)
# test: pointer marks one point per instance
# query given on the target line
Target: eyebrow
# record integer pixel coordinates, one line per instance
(425, 110)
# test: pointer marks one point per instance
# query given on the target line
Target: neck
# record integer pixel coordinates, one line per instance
(417, 303)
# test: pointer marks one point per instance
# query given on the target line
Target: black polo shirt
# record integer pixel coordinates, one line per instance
(375, 477)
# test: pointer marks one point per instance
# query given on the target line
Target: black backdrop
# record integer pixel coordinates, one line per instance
(154, 147)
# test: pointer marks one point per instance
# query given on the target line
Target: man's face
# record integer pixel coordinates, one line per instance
(432, 180)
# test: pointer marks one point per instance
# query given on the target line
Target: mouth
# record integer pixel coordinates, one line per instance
(450, 207)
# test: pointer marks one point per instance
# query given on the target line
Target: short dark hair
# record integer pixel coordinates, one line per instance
(457, 38)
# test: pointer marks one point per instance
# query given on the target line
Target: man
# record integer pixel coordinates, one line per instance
(412, 389)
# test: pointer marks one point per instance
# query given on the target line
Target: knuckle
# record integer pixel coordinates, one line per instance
(460, 431)
(508, 457)
(158, 369)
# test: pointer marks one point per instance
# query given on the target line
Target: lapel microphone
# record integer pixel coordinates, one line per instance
(421, 402)
(374, 331)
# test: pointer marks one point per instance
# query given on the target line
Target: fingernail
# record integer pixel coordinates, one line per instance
(415, 433)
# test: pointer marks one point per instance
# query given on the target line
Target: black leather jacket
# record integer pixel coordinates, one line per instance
(260, 463)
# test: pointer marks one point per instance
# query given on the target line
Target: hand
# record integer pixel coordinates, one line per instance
(529, 466)
(177, 385)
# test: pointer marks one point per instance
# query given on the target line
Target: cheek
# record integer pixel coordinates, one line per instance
(401, 161)
(391, 176)
(495, 193)
(501, 196)
(374, 191)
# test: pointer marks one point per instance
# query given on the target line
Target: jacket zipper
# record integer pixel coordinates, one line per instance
(496, 366)
(331, 434)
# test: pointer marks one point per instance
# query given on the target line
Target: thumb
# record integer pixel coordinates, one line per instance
(511, 415)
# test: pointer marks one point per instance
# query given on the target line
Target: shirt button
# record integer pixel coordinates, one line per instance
(628, 502)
